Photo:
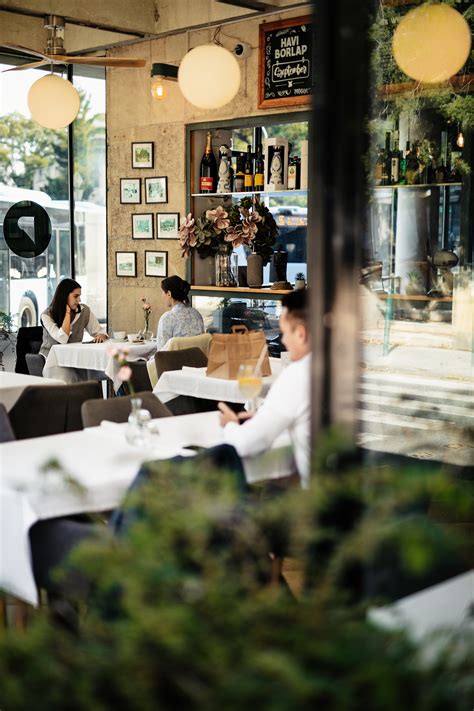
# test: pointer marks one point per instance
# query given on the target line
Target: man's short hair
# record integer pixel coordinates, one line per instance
(296, 304)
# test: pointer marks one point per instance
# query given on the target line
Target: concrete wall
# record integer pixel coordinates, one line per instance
(133, 116)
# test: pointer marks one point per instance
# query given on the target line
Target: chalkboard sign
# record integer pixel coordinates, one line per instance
(285, 62)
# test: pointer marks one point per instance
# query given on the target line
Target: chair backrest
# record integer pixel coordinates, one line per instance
(140, 378)
(179, 343)
(174, 360)
(28, 340)
(6, 431)
(117, 409)
(53, 409)
(35, 363)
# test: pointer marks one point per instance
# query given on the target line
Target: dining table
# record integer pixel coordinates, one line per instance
(64, 358)
(194, 382)
(89, 471)
(13, 384)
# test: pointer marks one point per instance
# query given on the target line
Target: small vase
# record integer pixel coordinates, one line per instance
(254, 271)
(300, 284)
(137, 427)
(204, 271)
(225, 264)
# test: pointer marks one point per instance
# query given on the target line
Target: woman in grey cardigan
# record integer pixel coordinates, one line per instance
(66, 319)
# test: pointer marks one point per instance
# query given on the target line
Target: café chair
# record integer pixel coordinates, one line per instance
(117, 409)
(35, 364)
(180, 343)
(42, 411)
(29, 340)
(175, 360)
(6, 431)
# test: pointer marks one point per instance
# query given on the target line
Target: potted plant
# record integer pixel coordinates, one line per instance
(300, 281)
(7, 342)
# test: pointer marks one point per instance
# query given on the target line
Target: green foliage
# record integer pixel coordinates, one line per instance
(182, 617)
(6, 322)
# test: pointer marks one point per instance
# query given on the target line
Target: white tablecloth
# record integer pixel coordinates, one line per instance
(194, 382)
(13, 384)
(63, 358)
(101, 460)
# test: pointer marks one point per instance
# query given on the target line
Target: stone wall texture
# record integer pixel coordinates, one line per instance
(132, 115)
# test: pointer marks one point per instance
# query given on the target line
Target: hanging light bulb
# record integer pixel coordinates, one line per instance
(158, 89)
(460, 140)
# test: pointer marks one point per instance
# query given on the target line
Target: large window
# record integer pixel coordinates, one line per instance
(34, 167)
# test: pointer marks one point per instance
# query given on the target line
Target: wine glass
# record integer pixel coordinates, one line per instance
(250, 385)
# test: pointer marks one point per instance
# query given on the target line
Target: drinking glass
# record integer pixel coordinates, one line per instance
(250, 385)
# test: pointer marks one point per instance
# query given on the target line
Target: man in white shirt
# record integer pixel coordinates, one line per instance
(287, 404)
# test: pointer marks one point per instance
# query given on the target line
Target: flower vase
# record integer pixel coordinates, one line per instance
(254, 271)
(225, 264)
(204, 271)
(137, 432)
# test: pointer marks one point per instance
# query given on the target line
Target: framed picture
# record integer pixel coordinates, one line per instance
(156, 189)
(142, 155)
(130, 191)
(156, 264)
(126, 264)
(168, 225)
(142, 226)
(285, 63)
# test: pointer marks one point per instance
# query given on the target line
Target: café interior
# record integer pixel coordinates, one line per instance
(236, 353)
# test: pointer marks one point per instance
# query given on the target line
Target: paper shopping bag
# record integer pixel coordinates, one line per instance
(230, 350)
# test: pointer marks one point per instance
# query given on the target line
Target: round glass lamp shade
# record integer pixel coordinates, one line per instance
(53, 101)
(432, 43)
(209, 76)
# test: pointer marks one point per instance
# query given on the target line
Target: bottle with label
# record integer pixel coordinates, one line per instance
(413, 166)
(294, 171)
(225, 172)
(259, 170)
(208, 169)
(403, 165)
(379, 167)
(248, 171)
(387, 161)
(276, 170)
(239, 174)
(395, 161)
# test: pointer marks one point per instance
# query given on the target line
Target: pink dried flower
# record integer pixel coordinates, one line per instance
(125, 373)
(218, 217)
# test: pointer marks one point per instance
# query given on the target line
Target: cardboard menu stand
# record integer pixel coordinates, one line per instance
(230, 350)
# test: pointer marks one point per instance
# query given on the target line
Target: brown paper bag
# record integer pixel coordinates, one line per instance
(229, 350)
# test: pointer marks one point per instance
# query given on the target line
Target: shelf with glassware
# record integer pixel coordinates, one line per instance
(240, 212)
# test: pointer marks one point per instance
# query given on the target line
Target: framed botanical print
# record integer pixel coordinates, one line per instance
(142, 155)
(126, 264)
(167, 225)
(156, 189)
(142, 226)
(156, 264)
(130, 191)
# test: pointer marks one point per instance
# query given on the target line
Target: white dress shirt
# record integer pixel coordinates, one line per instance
(286, 407)
(93, 327)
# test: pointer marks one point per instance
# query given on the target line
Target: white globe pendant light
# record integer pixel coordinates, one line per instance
(209, 76)
(53, 102)
(432, 43)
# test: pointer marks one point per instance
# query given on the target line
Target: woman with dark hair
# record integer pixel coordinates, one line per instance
(182, 319)
(66, 319)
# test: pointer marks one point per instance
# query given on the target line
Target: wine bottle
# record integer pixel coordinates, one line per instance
(294, 168)
(248, 171)
(387, 161)
(208, 169)
(395, 161)
(259, 170)
(239, 174)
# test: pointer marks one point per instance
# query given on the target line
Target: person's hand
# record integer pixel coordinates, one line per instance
(228, 415)
(100, 338)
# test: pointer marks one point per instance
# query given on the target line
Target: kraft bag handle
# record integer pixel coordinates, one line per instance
(241, 328)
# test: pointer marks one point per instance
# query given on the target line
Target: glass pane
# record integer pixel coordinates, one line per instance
(33, 167)
(416, 393)
(89, 194)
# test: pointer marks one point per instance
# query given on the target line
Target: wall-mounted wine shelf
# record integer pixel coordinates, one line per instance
(254, 192)
(417, 185)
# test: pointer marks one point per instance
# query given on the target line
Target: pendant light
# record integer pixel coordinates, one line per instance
(54, 102)
(209, 76)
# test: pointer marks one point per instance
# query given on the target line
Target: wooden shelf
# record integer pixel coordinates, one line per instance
(417, 185)
(415, 297)
(258, 192)
(240, 290)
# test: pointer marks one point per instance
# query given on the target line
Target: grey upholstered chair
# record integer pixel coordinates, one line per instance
(35, 364)
(175, 360)
(117, 409)
(41, 411)
(6, 431)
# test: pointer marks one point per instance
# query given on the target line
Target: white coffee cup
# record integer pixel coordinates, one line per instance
(132, 337)
(120, 335)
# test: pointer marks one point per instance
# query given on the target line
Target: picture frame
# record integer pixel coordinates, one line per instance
(143, 225)
(156, 189)
(167, 225)
(143, 154)
(285, 63)
(130, 191)
(156, 264)
(126, 264)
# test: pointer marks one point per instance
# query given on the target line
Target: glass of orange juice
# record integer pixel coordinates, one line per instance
(250, 385)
